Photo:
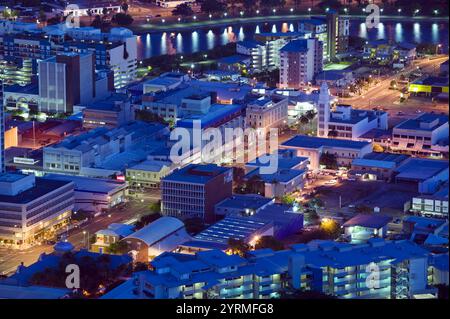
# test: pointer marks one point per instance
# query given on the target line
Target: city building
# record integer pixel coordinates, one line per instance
(32, 208)
(172, 3)
(287, 159)
(318, 29)
(81, 8)
(248, 204)
(66, 80)
(362, 227)
(113, 111)
(339, 79)
(194, 190)
(429, 232)
(94, 195)
(113, 234)
(376, 166)
(162, 235)
(2, 138)
(266, 113)
(235, 63)
(345, 122)
(426, 135)
(82, 154)
(21, 97)
(338, 269)
(438, 269)
(116, 50)
(148, 174)
(430, 86)
(426, 175)
(345, 151)
(283, 181)
(301, 60)
(434, 205)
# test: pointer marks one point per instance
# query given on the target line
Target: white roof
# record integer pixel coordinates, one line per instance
(157, 230)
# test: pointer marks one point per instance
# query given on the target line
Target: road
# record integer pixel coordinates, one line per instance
(10, 259)
(381, 96)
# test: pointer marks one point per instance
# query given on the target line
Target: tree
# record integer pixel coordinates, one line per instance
(328, 160)
(183, 10)
(140, 266)
(97, 23)
(212, 6)
(194, 225)
(122, 19)
(288, 199)
(330, 227)
(125, 7)
(269, 242)
(146, 219)
(238, 246)
(119, 248)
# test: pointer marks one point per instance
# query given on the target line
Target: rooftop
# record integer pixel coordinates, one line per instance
(420, 169)
(42, 187)
(91, 185)
(296, 46)
(306, 141)
(368, 220)
(248, 201)
(196, 173)
(233, 227)
(216, 114)
(424, 122)
(280, 176)
(233, 59)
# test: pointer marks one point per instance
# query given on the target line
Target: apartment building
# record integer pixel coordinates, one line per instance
(425, 135)
(338, 269)
(433, 205)
(116, 50)
(267, 112)
(193, 190)
(32, 209)
(301, 61)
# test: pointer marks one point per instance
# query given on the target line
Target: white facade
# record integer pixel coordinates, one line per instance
(266, 113)
(172, 3)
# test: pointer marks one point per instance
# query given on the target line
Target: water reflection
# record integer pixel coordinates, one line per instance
(205, 39)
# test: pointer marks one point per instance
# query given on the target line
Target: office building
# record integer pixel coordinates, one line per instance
(433, 205)
(32, 208)
(194, 190)
(66, 80)
(266, 113)
(425, 135)
(301, 61)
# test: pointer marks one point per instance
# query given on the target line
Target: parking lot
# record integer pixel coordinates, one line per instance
(389, 197)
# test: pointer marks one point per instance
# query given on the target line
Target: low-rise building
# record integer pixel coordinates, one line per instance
(434, 205)
(162, 235)
(113, 234)
(248, 204)
(148, 174)
(94, 194)
(362, 227)
(430, 86)
(427, 134)
(266, 113)
(32, 209)
(345, 151)
(376, 166)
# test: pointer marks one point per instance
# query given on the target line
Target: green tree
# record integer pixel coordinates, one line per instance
(122, 19)
(329, 160)
(238, 246)
(118, 248)
(183, 10)
(146, 219)
(212, 6)
(288, 199)
(269, 242)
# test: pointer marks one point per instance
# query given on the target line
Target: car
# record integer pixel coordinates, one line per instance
(400, 113)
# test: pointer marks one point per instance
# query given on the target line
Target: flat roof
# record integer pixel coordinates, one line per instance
(368, 220)
(415, 124)
(196, 173)
(87, 184)
(306, 141)
(373, 163)
(216, 113)
(387, 157)
(250, 201)
(281, 175)
(420, 169)
(42, 187)
(232, 227)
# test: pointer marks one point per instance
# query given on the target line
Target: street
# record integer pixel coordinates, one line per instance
(79, 237)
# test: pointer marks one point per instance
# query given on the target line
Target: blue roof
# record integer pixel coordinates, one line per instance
(250, 201)
(250, 43)
(317, 142)
(368, 220)
(414, 124)
(373, 163)
(283, 162)
(296, 46)
(196, 173)
(233, 59)
(420, 168)
(281, 175)
(233, 227)
(215, 116)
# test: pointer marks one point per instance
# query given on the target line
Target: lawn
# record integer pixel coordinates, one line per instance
(337, 66)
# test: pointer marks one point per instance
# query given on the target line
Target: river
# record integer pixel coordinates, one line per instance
(200, 39)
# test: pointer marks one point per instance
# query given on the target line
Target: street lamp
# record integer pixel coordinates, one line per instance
(195, 17)
(241, 13)
(399, 10)
(292, 9)
(210, 15)
(225, 14)
(345, 10)
(179, 19)
(163, 20)
(436, 11)
(327, 9)
(309, 9)
(257, 11)
(274, 11)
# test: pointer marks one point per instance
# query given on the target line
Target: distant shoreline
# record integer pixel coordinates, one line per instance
(145, 28)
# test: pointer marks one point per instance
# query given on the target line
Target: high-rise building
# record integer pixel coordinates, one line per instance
(66, 80)
(323, 110)
(301, 60)
(2, 136)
